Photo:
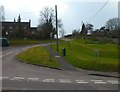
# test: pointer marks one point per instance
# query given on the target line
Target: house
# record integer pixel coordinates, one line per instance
(33, 30)
(11, 28)
(15, 29)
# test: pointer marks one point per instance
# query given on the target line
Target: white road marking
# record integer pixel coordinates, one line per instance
(100, 82)
(96, 80)
(18, 78)
(9, 53)
(82, 81)
(48, 80)
(64, 81)
(113, 82)
(12, 79)
(33, 79)
(5, 77)
(57, 56)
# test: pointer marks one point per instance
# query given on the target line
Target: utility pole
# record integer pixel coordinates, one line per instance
(56, 25)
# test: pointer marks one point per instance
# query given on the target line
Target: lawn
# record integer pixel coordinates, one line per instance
(23, 42)
(99, 57)
(29, 41)
(38, 55)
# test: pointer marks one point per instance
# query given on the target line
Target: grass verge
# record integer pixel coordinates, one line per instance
(29, 41)
(23, 42)
(38, 55)
(99, 57)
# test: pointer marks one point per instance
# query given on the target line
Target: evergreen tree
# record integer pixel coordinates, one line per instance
(84, 31)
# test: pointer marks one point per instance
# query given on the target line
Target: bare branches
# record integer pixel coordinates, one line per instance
(47, 15)
(2, 13)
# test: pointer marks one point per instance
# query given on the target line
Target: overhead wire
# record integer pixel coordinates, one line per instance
(94, 15)
(98, 11)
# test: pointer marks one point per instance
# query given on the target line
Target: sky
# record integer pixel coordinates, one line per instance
(71, 12)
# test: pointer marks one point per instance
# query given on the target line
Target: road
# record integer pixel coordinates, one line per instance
(21, 76)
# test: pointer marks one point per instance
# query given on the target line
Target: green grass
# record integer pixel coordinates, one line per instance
(38, 55)
(29, 41)
(82, 55)
(23, 42)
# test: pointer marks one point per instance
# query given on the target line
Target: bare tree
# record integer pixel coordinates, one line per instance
(46, 15)
(47, 23)
(61, 29)
(113, 24)
(2, 13)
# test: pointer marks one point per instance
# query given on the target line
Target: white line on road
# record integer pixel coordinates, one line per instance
(81, 81)
(9, 53)
(48, 80)
(96, 80)
(64, 80)
(100, 82)
(12, 79)
(19, 78)
(5, 77)
(84, 82)
(33, 79)
(113, 82)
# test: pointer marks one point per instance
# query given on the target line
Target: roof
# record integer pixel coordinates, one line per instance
(27, 24)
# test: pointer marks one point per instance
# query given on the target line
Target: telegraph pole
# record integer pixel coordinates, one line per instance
(56, 25)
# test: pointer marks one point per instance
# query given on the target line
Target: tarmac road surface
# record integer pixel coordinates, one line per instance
(21, 76)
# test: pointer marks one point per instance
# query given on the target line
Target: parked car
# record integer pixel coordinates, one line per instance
(4, 42)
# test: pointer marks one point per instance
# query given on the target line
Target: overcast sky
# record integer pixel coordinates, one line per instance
(71, 12)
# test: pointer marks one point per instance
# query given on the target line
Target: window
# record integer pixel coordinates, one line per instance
(2, 27)
(10, 27)
(24, 27)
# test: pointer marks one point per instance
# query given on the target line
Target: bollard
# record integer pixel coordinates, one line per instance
(64, 52)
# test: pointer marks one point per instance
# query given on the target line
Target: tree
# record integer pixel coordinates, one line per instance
(47, 23)
(75, 33)
(89, 28)
(113, 25)
(60, 27)
(2, 13)
(103, 32)
(47, 15)
(84, 31)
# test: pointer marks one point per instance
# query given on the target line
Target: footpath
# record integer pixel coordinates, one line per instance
(64, 65)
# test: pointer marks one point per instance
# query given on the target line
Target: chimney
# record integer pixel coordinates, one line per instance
(30, 22)
(14, 20)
